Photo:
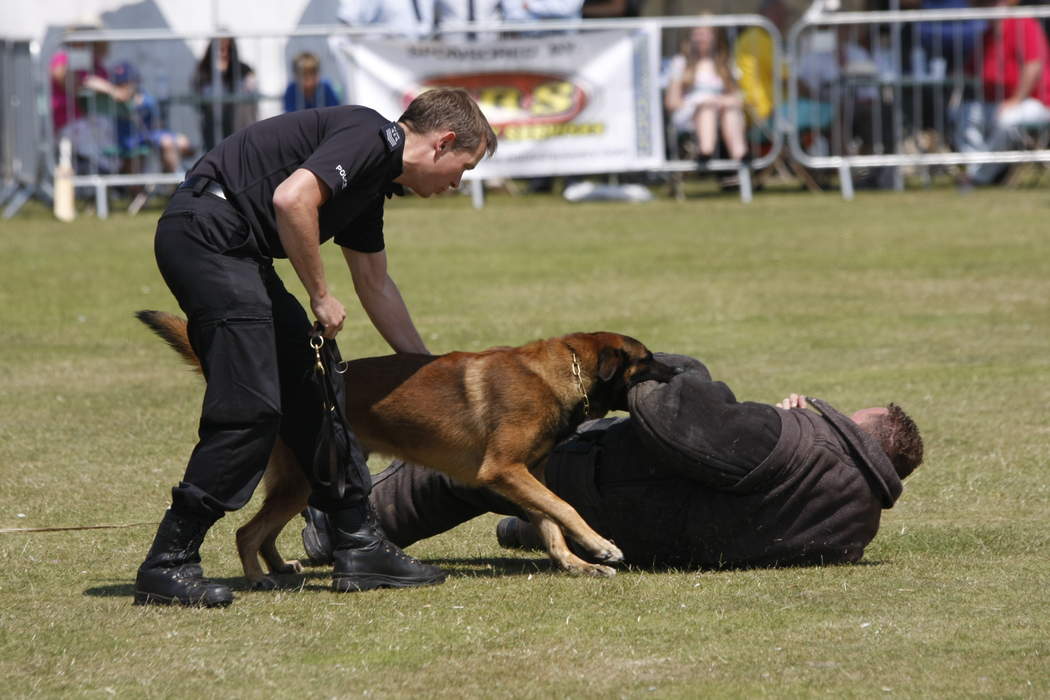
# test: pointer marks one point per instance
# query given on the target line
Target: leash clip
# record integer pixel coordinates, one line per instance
(317, 342)
(577, 372)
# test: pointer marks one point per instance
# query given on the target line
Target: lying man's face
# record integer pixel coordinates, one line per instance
(868, 414)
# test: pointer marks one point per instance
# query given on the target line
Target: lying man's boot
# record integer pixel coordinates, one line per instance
(365, 559)
(317, 539)
(171, 574)
(515, 533)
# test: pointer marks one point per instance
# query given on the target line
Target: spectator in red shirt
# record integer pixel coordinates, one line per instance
(68, 86)
(1016, 81)
(83, 99)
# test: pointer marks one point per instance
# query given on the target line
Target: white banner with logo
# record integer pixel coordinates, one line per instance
(561, 104)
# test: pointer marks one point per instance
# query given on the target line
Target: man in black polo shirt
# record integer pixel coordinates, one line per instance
(280, 188)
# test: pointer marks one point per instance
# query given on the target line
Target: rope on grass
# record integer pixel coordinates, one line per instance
(14, 530)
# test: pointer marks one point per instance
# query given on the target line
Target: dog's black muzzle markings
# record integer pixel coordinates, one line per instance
(652, 370)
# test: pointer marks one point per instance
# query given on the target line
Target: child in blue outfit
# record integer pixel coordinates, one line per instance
(309, 89)
(138, 126)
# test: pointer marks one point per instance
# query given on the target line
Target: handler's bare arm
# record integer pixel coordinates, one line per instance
(296, 201)
(382, 301)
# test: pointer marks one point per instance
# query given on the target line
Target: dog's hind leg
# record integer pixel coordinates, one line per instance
(286, 493)
(515, 482)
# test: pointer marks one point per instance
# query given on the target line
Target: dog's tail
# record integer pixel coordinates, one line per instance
(172, 329)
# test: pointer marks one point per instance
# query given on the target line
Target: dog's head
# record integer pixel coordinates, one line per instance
(623, 362)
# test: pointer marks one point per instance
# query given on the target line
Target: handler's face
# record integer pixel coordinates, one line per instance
(444, 170)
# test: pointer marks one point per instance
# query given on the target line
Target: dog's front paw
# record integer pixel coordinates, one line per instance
(289, 567)
(610, 554)
(264, 584)
(598, 570)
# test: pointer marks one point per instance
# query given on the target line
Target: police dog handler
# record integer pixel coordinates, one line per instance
(280, 188)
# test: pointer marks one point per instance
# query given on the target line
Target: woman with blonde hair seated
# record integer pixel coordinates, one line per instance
(702, 95)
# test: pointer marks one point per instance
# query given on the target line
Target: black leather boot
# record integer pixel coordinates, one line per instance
(317, 540)
(365, 559)
(515, 533)
(171, 574)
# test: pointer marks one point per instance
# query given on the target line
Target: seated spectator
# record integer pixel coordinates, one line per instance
(138, 126)
(538, 10)
(531, 10)
(600, 9)
(1016, 93)
(702, 95)
(754, 53)
(309, 89)
(951, 41)
(409, 19)
(82, 98)
(845, 80)
(754, 59)
(456, 11)
(421, 19)
(235, 93)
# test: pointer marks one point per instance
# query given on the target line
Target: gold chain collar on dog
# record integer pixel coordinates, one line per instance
(578, 373)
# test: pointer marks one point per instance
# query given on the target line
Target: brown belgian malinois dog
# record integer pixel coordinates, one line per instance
(484, 418)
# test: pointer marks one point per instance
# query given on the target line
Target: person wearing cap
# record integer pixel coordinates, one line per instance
(69, 86)
(138, 124)
(692, 479)
(279, 189)
(83, 99)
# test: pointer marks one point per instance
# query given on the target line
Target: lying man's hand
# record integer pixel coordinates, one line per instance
(794, 401)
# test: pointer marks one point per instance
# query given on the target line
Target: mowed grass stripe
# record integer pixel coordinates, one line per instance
(936, 301)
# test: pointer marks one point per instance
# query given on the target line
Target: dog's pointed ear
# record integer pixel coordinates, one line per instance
(609, 363)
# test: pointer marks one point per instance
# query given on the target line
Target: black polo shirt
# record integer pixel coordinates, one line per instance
(354, 150)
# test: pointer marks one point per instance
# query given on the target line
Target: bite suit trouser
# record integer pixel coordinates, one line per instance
(251, 336)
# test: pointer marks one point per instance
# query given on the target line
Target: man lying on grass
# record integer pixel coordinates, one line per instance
(693, 478)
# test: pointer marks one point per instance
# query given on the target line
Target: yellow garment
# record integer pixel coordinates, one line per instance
(754, 59)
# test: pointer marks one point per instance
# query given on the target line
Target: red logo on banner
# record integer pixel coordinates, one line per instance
(509, 99)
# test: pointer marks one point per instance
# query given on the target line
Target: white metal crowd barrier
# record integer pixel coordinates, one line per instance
(837, 146)
(101, 178)
(907, 75)
(22, 156)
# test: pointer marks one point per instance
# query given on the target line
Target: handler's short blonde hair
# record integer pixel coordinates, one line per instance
(451, 109)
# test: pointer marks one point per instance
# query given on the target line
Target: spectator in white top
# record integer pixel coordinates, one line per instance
(409, 19)
(842, 78)
(702, 95)
(536, 10)
(457, 11)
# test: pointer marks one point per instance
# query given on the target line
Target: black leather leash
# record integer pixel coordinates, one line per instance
(338, 458)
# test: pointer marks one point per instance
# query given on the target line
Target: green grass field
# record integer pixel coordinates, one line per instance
(936, 301)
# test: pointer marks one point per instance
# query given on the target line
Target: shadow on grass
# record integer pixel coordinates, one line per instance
(495, 567)
(319, 578)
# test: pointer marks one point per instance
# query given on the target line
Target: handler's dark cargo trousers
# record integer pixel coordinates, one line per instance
(251, 336)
